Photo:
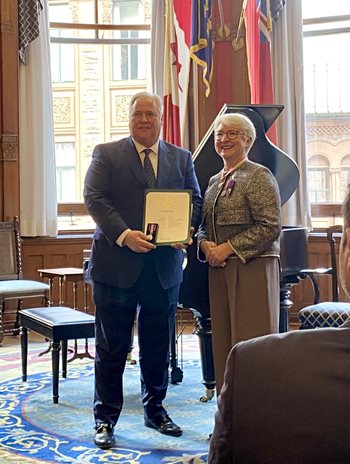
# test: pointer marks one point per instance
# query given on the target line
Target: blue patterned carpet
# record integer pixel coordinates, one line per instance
(34, 430)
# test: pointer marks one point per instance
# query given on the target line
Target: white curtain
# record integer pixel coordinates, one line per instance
(158, 47)
(38, 202)
(287, 62)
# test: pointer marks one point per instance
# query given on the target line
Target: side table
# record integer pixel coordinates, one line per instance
(73, 275)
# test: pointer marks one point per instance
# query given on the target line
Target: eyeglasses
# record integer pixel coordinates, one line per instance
(148, 115)
(231, 134)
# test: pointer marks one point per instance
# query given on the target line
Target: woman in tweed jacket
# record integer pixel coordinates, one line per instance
(239, 238)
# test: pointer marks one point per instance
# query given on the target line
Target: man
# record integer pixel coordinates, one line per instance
(286, 397)
(128, 272)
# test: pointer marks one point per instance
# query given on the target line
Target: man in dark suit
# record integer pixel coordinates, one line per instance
(286, 397)
(130, 275)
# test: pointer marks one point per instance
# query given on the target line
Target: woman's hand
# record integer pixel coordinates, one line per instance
(217, 255)
(206, 245)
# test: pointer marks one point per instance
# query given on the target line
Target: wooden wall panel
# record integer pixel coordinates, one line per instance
(68, 252)
(9, 159)
(48, 253)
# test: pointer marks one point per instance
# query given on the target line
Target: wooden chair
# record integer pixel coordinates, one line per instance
(328, 313)
(12, 284)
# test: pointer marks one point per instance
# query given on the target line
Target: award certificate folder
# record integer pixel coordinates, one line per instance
(170, 212)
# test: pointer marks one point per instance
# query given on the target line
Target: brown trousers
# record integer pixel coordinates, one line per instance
(244, 303)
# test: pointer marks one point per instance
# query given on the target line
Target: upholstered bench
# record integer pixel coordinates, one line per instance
(326, 314)
(58, 324)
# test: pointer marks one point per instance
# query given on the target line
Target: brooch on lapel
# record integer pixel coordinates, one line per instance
(228, 186)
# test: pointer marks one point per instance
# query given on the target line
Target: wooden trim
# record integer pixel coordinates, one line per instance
(75, 209)
(9, 149)
(97, 27)
(317, 210)
(326, 19)
(333, 210)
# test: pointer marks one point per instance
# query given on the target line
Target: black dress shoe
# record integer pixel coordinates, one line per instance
(164, 425)
(104, 437)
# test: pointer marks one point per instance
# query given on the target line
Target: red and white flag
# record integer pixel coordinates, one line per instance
(176, 70)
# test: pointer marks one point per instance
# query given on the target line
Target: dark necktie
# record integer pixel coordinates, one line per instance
(148, 169)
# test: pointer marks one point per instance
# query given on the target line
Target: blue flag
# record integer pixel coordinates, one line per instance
(201, 50)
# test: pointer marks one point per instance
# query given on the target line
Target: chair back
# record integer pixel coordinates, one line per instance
(10, 251)
(331, 231)
(326, 313)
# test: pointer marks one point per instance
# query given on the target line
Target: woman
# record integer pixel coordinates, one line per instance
(238, 237)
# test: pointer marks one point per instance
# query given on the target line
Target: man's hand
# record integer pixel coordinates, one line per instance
(139, 242)
(183, 246)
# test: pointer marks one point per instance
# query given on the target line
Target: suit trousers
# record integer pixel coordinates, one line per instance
(116, 308)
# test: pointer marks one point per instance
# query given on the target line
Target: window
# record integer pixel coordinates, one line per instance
(65, 171)
(344, 175)
(327, 105)
(100, 57)
(318, 185)
(62, 55)
(128, 59)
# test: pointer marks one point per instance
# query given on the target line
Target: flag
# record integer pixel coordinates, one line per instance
(177, 70)
(188, 33)
(258, 25)
(201, 39)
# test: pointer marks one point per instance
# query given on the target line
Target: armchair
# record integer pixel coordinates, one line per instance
(329, 313)
(12, 284)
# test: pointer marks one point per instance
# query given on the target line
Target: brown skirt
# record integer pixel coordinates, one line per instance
(244, 303)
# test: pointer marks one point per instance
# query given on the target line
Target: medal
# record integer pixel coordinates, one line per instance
(230, 183)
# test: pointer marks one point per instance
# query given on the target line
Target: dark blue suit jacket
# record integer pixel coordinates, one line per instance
(114, 196)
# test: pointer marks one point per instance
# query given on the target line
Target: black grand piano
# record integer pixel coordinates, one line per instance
(194, 289)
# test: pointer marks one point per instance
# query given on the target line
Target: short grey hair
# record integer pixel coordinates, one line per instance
(156, 98)
(240, 121)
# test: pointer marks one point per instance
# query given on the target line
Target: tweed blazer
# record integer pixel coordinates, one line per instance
(249, 217)
(114, 196)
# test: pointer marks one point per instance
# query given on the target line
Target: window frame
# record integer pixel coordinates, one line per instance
(326, 210)
(78, 208)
